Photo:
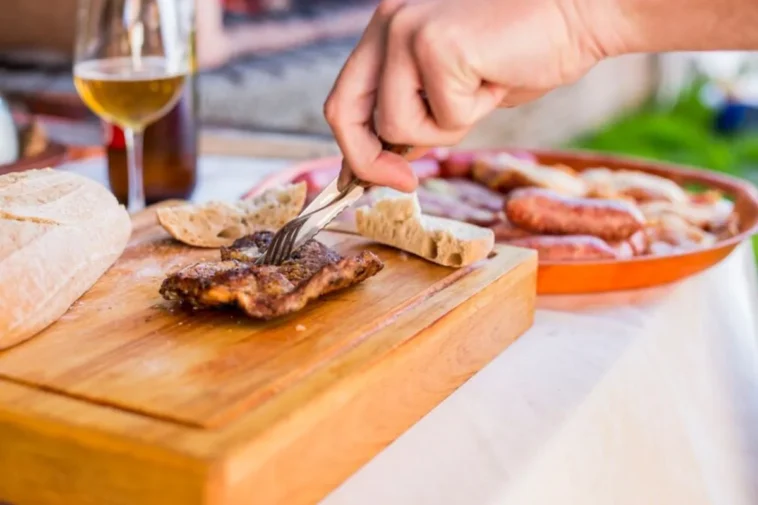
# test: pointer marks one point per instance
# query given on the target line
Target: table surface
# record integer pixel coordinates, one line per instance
(641, 397)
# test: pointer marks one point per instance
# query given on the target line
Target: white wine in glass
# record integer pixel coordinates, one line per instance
(132, 58)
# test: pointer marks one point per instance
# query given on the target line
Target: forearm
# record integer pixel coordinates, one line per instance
(648, 26)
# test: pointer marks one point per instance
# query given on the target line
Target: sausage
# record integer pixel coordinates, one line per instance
(504, 172)
(677, 231)
(460, 164)
(639, 243)
(505, 231)
(448, 206)
(469, 192)
(425, 168)
(729, 229)
(478, 195)
(707, 197)
(568, 247)
(640, 186)
(703, 214)
(542, 211)
(658, 248)
(636, 245)
(456, 164)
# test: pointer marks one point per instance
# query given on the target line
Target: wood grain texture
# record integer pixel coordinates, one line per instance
(128, 400)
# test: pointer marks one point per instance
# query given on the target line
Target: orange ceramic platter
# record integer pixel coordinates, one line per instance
(574, 277)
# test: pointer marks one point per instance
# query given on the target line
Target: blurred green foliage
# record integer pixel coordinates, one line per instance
(681, 132)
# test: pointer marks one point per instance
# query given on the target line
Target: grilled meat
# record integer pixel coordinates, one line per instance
(248, 248)
(265, 291)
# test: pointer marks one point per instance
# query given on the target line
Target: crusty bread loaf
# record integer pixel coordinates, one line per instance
(59, 232)
(395, 219)
(217, 224)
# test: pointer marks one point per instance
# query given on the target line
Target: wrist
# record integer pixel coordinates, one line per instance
(600, 26)
(649, 26)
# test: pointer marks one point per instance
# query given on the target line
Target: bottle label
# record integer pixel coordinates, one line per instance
(114, 136)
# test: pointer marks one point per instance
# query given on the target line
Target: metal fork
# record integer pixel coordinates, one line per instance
(318, 214)
(289, 238)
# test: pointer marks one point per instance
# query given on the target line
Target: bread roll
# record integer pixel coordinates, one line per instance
(59, 232)
(395, 219)
(218, 224)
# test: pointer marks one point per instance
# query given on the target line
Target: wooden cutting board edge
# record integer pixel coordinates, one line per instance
(217, 465)
(434, 352)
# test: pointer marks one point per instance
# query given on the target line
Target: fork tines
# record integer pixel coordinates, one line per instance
(282, 242)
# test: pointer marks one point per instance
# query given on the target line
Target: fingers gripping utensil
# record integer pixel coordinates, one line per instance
(320, 212)
(331, 190)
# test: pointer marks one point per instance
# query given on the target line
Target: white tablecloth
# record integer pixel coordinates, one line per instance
(639, 398)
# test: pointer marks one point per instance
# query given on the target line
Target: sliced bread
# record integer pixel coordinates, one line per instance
(395, 219)
(217, 224)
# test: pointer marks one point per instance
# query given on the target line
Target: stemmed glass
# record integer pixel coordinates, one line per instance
(131, 60)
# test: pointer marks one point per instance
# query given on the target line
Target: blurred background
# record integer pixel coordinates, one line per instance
(266, 66)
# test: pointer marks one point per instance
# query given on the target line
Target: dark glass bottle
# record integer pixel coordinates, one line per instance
(170, 152)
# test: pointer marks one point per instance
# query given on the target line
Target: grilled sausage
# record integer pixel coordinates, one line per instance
(568, 247)
(456, 164)
(468, 192)
(478, 195)
(636, 245)
(425, 168)
(641, 186)
(450, 207)
(542, 211)
(677, 231)
(460, 164)
(505, 231)
(703, 214)
(504, 172)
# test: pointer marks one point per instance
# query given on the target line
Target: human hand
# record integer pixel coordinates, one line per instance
(467, 56)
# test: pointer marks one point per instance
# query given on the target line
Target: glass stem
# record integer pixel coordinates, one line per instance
(134, 151)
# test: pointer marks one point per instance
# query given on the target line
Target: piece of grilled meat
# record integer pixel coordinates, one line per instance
(248, 248)
(265, 291)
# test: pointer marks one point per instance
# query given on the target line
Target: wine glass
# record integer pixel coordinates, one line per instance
(131, 60)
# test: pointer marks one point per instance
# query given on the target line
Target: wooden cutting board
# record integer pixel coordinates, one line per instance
(129, 400)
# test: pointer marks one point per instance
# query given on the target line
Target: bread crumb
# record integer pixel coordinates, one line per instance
(403, 256)
(300, 327)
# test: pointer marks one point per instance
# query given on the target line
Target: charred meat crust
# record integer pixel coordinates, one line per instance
(248, 248)
(332, 277)
(265, 292)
